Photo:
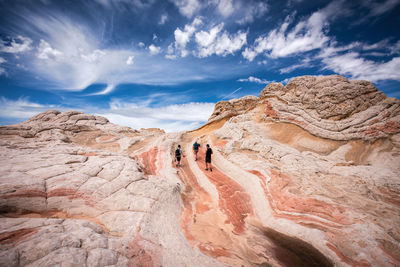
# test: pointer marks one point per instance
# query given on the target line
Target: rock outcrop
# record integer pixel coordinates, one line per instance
(307, 174)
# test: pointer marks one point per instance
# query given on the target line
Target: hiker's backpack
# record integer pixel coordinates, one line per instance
(177, 152)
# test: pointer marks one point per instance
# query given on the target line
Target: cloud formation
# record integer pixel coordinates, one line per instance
(187, 7)
(353, 65)
(45, 51)
(19, 44)
(130, 61)
(2, 70)
(219, 43)
(136, 115)
(21, 108)
(154, 50)
(182, 37)
(254, 80)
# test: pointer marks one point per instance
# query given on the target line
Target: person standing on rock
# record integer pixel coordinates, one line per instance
(196, 148)
(208, 157)
(178, 155)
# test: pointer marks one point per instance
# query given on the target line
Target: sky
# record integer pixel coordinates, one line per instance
(165, 63)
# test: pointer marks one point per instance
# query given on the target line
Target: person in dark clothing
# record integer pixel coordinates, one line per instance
(196, 149)
(208, 157)
(178, 155)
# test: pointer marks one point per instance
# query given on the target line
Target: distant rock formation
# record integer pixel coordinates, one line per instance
(307, 174)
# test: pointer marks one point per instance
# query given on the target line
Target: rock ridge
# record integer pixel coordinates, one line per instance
(328, 106)
(303, 175)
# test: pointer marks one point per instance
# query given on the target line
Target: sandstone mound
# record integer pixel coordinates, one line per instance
(307, 174)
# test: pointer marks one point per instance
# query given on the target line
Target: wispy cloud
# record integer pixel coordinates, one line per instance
(378, 8)
(45, 51)
(18, 44)
(254, 80)
(306, 63)
(249, 12)
(187, 7)
(109, 88)
(171, 118)
(2, 70)
(357, 67)
(20, 109)
(70, 55)
(305, 36)
(163, 19)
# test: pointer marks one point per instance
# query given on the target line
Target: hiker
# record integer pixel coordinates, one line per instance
(208, 157)
(196, 148)
(178, 154)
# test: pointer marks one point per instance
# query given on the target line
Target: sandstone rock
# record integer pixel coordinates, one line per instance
(305, 175)
(232, 107)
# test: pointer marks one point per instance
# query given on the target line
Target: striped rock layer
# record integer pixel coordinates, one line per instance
(307, 174)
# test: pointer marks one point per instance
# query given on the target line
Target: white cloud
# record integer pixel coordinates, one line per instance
(2, 70)
(141, 44)
(154, 50)
(155, 36)
(213, 42)
(182, 37)
(225, 7)
(173, 57)
(307, 35)
(242, 11)
(19, 109)
(354, 65)
(306, 63)
(163, 19)
(45, 51)
(395, 49)
(378, 8)
(255, 80)
(72, 57)
(249, 54)
(109, 88)
(248, 12)
(130, 61)
(19, 44)
(93, 57)
(187, 7)
(121, 4)
(171, 118)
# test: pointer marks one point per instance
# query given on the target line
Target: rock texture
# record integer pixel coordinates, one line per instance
(307, 174)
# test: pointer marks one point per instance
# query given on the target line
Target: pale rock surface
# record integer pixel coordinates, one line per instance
(307, 174)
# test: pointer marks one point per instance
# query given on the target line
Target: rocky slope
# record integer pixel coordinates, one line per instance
(307, 174)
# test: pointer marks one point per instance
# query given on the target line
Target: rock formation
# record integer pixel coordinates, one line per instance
(307, 174)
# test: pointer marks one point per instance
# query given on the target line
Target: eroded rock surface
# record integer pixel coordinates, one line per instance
(71, 192)
(307, 174)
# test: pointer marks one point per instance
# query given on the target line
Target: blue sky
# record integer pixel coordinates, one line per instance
(166, 63)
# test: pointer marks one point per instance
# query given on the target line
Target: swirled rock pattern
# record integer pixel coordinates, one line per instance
(307, 174)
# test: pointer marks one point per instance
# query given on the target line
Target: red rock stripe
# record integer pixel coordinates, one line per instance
(233, 199)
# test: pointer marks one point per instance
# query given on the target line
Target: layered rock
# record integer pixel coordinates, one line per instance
(333, 107)
(307, 174)
(72, 193)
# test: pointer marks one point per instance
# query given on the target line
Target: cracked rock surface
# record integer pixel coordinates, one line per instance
(307, 174)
